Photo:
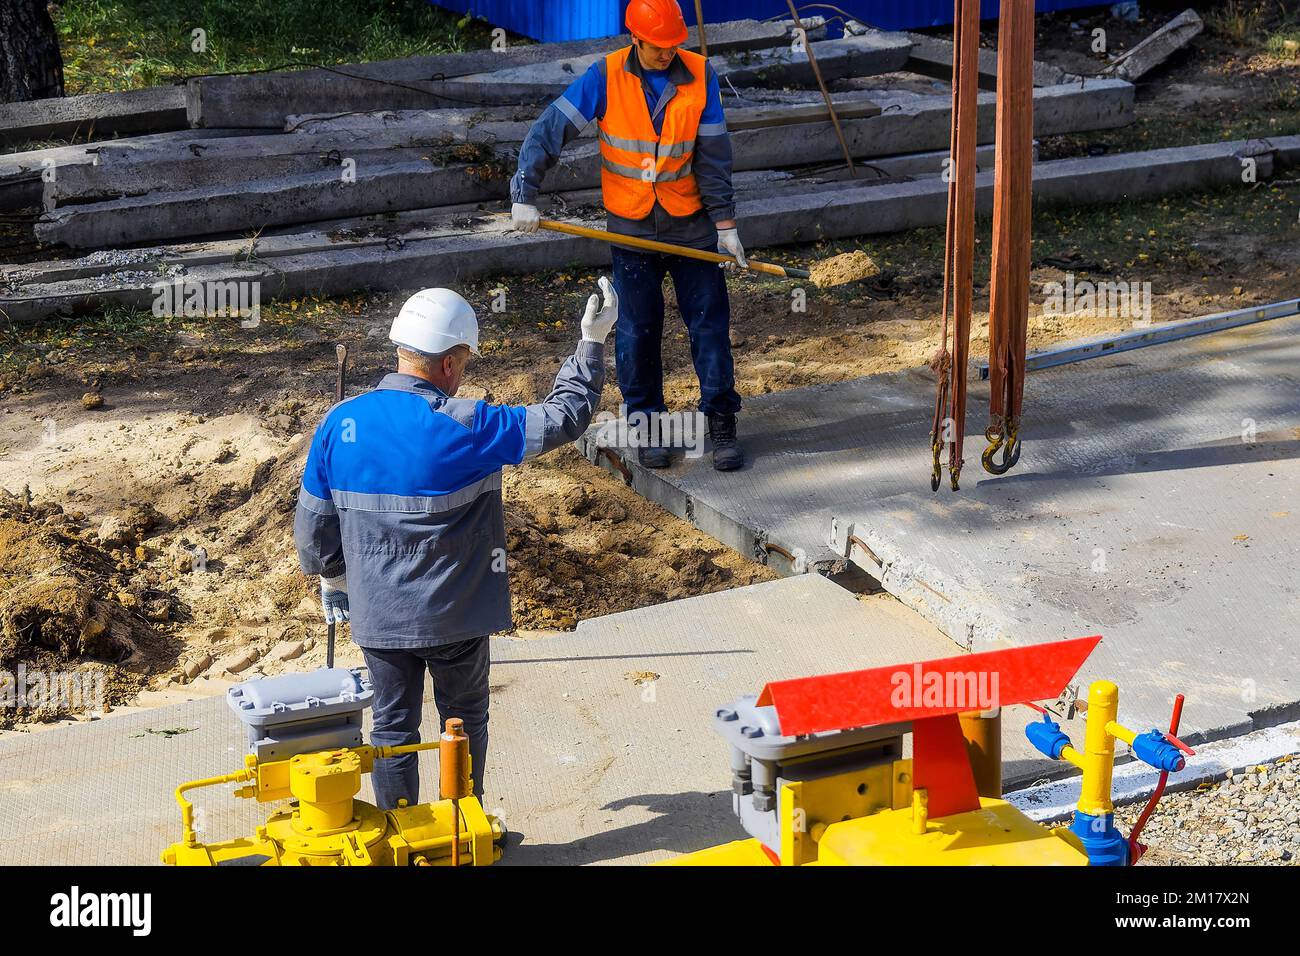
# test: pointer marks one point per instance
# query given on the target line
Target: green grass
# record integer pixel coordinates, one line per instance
(111, 45)
(1238, 21)
(1272, 25)
(1285, 42)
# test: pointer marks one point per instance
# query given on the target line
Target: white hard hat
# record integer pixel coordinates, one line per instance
(435, 320)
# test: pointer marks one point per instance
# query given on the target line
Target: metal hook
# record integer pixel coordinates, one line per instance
(1010, 446)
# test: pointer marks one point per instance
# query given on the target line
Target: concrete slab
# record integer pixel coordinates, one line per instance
(1140, 60)
(932, 56)
(21, 173)
(779, 67)
(265, 99)
(1156, 503)
(153, 110)
(488, 248)
(587, 766)
(617, 771)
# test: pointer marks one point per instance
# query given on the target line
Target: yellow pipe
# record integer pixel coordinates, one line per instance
(1099, 749)
(250, 773)
(385, 752)
(1122, 732)
(187, 808)
(1072, 755)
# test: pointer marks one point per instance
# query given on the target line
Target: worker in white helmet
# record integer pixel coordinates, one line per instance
(400, 515)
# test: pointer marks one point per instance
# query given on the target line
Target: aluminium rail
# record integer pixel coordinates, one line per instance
(1156, 335)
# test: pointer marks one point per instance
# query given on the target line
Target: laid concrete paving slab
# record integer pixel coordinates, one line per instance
(1157, 503)
(587, 765)
(617, 771)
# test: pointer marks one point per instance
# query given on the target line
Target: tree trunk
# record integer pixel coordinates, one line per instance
(31, 67)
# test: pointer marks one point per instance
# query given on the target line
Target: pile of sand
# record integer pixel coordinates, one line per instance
(844, 268)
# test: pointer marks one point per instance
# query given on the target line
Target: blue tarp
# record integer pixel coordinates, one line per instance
(551, 20)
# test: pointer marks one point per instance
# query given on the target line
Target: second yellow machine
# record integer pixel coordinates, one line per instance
(305, 747)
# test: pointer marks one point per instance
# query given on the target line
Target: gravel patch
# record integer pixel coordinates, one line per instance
(1250, 817)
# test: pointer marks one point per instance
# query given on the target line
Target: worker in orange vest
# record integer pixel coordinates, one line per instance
(665, 175)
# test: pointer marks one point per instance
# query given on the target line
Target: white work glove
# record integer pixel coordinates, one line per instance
(525, 218)
(334, 599)
(598, 320)
(729, 245)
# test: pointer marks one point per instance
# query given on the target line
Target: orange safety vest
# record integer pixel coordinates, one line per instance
(638, 165)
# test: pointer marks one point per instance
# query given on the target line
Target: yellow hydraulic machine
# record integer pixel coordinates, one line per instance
(819, 778)
(305, 746)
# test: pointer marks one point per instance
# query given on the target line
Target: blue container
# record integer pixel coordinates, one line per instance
(551, 20)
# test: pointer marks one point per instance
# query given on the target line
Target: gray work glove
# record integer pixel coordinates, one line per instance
(334, 599)
(525, 218)
(599, 319)
(729, 245)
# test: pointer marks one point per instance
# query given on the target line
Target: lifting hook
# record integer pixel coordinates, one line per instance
(1010, 445)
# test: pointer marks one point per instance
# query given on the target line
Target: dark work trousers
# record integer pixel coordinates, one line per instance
(460, 689)
(702, 298)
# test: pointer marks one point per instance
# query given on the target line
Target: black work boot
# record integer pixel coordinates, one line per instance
(652, 456)
(727, 453)
(650, 452)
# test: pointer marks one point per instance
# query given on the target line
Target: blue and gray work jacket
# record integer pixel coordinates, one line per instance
(402, 492)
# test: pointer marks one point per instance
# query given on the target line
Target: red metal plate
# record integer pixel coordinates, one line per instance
(907, 692)
(941, 766)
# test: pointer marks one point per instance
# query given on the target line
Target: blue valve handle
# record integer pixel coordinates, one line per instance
(1047, 737)
(1154, 749)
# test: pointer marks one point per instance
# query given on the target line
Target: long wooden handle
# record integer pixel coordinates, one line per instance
(651, 245)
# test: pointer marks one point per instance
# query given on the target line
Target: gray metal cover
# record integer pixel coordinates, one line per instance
(757, 731)
(291, 698)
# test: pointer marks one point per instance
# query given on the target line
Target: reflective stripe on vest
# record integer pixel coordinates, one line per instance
(638, 164)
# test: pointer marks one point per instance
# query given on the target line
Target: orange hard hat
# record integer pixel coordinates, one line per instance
(658, 22)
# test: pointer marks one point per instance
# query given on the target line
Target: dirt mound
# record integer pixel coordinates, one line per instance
(68, 611)
(581, 548)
